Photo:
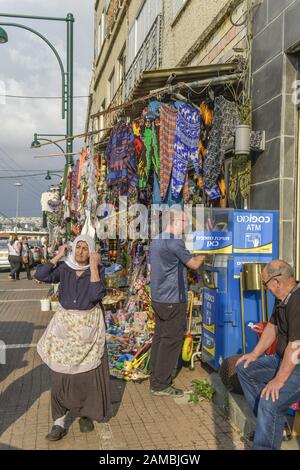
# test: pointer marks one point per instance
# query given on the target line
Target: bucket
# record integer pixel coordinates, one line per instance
(45, 305)
(251, 275)
(54, 305)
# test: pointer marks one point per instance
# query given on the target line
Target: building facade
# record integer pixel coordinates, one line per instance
(132, 36)
(275, 175)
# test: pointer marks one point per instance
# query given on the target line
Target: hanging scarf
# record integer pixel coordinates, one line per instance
(207, 115)
(226, 119)
(152, 150)
(70, 259)
(167, 136)
(186, 144)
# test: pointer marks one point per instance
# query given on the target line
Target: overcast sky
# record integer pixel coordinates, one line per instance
(29, 67)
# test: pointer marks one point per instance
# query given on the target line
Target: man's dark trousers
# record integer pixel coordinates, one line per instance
(167, 342)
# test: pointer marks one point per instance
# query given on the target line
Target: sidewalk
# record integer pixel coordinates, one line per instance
(141, 420)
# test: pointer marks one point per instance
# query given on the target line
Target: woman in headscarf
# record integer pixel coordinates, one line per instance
(73, 345)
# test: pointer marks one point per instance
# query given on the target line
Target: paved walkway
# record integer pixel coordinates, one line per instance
(141, 421)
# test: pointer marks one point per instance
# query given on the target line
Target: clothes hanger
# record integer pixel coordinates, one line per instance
(180, 97)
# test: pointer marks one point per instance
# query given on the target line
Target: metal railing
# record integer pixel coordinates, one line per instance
(147, 58)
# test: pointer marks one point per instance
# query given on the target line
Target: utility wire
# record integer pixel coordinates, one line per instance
(5, 216)
(35, 169)
(40, 97)
(37, 188)
(26, 176)
(35, 191)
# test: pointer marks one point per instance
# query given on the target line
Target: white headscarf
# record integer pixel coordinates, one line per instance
(70, 258)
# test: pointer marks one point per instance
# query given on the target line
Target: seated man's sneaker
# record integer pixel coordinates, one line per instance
(56, 433)
(86, 425)
(287, 434)
(169, 391)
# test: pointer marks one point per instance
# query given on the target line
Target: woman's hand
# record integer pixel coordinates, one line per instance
(60, 254)
(94, 267)
(94, 260)
(62, 251)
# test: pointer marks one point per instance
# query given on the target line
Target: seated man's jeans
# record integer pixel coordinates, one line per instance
(270, 415)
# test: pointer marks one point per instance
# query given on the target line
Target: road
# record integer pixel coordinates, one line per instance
(141, 421)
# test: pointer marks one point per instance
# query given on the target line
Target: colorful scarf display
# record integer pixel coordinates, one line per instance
(186, 144)
(168, 118)
(152, 149)
(226, 119)
(121, 158)
(207, 116)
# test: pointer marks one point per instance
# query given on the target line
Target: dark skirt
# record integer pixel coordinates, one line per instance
(85, 395)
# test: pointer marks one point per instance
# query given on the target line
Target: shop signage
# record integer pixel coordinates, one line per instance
(209, 310)
(212, 243)
(253, 233)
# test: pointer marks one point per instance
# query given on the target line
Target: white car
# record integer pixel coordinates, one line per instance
(4, 263)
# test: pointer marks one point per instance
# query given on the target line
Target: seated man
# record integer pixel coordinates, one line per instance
(272, 383)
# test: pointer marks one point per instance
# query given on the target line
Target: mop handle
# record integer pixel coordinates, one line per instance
(191, 310)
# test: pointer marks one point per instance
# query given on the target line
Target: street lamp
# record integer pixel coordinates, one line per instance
(67, 78)
(18, 186)
(37, 137)
(3, 36)
(49, 173)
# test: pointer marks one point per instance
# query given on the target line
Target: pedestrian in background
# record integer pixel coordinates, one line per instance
(14, 258)
(27, 257)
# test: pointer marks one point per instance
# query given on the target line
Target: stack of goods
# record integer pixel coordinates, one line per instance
(129, 335)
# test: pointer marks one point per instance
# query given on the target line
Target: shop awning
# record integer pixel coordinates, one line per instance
(156, 79)
(152, 81)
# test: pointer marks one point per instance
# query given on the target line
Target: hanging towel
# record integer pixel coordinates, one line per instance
(152, 149)
(167, 136)
(186, 144)
(226, 119)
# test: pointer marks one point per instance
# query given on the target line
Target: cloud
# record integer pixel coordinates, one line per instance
(32, 69)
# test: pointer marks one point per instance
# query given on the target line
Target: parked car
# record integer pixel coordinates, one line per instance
(4, 263)
(37, 250)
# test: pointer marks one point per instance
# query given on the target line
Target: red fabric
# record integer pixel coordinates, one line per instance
(259, 328)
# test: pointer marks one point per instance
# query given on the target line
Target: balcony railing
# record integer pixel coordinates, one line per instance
(147, 58)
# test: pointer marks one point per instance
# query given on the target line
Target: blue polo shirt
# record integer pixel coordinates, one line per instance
(168, 257)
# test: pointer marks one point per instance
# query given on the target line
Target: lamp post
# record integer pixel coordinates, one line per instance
(18, 186)
(49, 173)
(37, 137)
(67, 78)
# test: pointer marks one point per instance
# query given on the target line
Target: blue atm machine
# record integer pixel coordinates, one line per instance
(239, 241)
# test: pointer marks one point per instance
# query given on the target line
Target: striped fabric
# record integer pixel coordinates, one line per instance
(167, 135)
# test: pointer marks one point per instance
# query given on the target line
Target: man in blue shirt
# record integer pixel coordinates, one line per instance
(169, 258)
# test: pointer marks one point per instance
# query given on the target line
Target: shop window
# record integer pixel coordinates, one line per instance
(101, 32)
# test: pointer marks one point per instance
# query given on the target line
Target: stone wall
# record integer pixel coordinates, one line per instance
(276, 34)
